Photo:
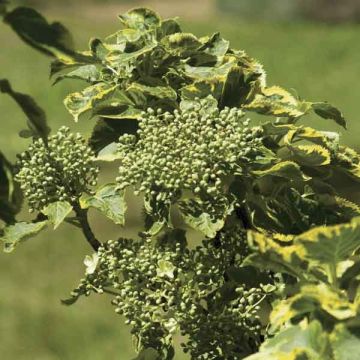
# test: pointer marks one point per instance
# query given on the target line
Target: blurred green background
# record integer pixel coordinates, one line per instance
(312, 47)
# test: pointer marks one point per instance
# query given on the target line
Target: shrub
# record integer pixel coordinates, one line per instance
(275, 275)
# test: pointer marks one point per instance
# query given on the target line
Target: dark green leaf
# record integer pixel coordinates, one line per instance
(3, 7)
(98, 49)
(169, 27)
(148, 354)
(52, 39)
(36, 116)
(327, 111)
(10, 193)
(108, 131)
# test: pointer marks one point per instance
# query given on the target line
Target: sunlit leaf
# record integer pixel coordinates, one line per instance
(140, 18)
(79, 102)
(109, 200)
(57, 212)
(286, 169)
(310, 340)
(277, 102)
(310, 299)
(310, 155)
(19, 232)
(331, 244)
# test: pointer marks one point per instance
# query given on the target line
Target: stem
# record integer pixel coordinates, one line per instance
(85, 227)
(332, 275)
(111, 292)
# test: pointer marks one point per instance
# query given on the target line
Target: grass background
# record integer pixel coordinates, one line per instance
(321, 62)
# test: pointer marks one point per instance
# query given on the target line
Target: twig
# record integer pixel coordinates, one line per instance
(85, 227)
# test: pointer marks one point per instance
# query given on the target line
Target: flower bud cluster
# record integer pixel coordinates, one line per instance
(231, 330)
(191, 149)
(162, 287)
(59, 170)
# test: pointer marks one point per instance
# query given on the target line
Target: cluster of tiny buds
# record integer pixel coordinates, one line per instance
(162, 286)
(186, 150)
(60, 169)
(228, 330)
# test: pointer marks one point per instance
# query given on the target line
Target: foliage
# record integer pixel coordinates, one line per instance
(276, 274)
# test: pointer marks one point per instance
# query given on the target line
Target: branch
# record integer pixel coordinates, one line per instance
(85, 227)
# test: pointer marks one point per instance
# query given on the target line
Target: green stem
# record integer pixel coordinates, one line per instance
(85, 227)
(332, 275)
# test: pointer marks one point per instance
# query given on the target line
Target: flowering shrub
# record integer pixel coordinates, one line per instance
(276, 274)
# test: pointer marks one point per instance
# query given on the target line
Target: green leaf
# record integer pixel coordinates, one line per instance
(198, 219)
(237, 89)
(169, 27)
(327, 111)
(205, 106)
(57, 212)
(273, 262)
(98, 49)
(309, 339)
(70, 301)
(286, 169)
(88, 73)
(116, 111)
(36, 118)
(52, 39)
(202, 89)
(272, 254)
(324, 138)
(79, 102)
(3, 7)
(108, 131)
(215, 45)
(148, 354)
(109, 200)
(329, 245)
(310, 155)
(157, 215)
(140, 18)
(117, 58)
(277, 102)
(109, 153)
(161, 92)
(10, 194)
(345, 342)
(181, 44)
(310, 300)
(19, 232)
